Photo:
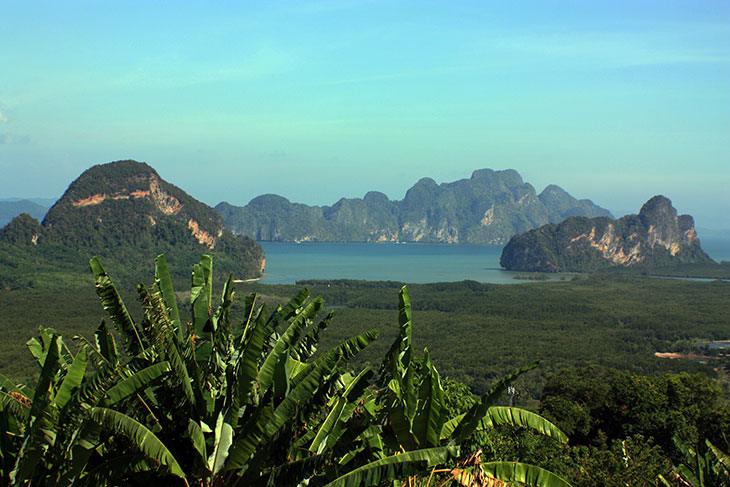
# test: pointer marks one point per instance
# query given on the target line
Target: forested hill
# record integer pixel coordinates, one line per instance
(653, 238)
(489, 207)
(127, 214)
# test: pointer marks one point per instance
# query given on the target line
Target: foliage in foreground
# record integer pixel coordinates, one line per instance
(220, 402)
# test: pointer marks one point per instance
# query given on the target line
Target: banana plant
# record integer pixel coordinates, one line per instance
(240, 394)
(709, 470)
(413, 415)
(52, 434)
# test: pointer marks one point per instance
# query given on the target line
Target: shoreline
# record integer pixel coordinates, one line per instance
(253, 279)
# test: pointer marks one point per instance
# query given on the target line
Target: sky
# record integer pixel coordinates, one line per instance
(615, 101)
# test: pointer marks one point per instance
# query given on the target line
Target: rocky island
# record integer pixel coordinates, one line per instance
(655, 237)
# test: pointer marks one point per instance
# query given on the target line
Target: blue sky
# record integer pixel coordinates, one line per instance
(612, 100)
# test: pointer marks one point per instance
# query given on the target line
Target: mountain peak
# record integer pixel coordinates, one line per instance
(120, 180)
(658, 207)
(124, 210)
(553, 189)
(562, 205)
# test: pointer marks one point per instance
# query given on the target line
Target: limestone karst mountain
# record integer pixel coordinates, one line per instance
(489, 207)
(655, 237)
(126, 213)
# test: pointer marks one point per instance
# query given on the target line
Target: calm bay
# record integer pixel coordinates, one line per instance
(287, 263)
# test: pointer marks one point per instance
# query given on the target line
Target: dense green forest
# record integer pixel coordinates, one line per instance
(610, 320)
(630, 417)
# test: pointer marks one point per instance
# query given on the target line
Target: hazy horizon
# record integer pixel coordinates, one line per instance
(316, 100)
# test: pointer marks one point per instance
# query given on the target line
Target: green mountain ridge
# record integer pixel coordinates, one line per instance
(487, 208)
(655, 237)
(9, 209)
(125, 213)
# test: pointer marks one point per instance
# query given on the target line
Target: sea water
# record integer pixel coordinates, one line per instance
(287, 263)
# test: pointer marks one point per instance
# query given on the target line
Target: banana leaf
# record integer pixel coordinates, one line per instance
(181, 374)
(499, 415)
(286, 340)
(291, 309)
(222, 443)
(112, 302)
(293, 473)
(201, 294)
(247, 366)
(249, 309)
(307, 346)
(472, 417)
(73, 378)
(40, 349)
(47, 378)
(721, 457)
(195, 433)
(114, 471)
(43, 415)
(164, 285)
(396, 467)
(281, 383)
(140, 437)
(38, 441)
(398, 357)
(333, 425)
(430, 415)
(16, 404)
(529, 475)
(9, 385)
(77, 454)
(246, 449)
(250, 435)
(136, 382)
(105, 344)
(341, 353)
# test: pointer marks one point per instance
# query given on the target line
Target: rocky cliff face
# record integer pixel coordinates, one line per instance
(489, 207)
(125, 212)
(654, 237)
